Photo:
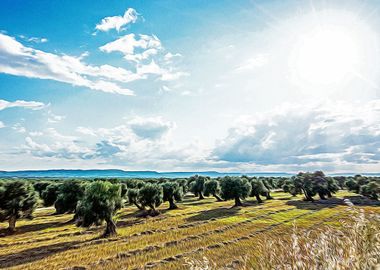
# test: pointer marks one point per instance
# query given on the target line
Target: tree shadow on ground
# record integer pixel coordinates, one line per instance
(316, 205)
(362, 201)
(200, 202)
(36, 253)
(35, 227)
(214, 214)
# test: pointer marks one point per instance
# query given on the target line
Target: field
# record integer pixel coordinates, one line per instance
(224, 235)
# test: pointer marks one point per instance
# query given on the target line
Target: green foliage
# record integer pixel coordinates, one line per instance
(100, 202)
(235, 188)
(150, 196)
(258, 188)
(40, 186)
(371, 190)
(50, 194)
(69, 193)
(17, 199)
(212, 187)
(171, 191)
(124, 189)
(197, 185)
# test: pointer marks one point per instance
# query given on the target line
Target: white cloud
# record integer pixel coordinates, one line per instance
(19, 60)
(2, 125)
(34, 105)
(151, 127)
(134, 48)
(117, 22)
(330, 134)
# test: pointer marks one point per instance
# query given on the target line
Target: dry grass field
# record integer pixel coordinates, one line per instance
(227, 237)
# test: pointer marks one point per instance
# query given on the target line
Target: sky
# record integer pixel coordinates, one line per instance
(231, 86)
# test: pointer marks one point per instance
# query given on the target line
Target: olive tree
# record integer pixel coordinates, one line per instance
(197, 185)
(17, 199)
(258, 188)
(133, 197)
(212, 187)
(150, 195)
(50, 194)
(371, 190)
(235, 188)
(69, 193)
(100, 203)
(171, 192)
(40, 186)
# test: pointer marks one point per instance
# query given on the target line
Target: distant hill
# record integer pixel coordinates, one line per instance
(140, 174)
(121, 173)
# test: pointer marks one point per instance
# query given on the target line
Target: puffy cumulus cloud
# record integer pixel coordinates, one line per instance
(19, 60)
(150, 128)
(140, 50)
(134, 48)
(138, 139)
(322, 135)
(34, 105)
(118, 22)
(52, 144)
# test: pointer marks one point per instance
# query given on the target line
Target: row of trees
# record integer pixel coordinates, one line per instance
(96, 201)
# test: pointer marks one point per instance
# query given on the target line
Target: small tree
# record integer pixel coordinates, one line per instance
(171, 192)
(40, 186)
(50, 194)
(124, 189)
(101, 201)
(235, 188)
(371, 190)
(17, 199)
(197, 185)
(212, 187)
(258, 188)
(151, 195)
(69, 193)
(133, 197)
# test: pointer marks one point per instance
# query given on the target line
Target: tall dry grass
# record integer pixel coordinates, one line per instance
(354, 245)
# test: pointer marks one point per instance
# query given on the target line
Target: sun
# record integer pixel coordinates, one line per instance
(330, 50)
(327, 55)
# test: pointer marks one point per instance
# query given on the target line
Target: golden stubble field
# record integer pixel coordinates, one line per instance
(226, 236)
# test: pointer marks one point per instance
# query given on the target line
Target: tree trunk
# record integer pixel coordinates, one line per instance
(329, 194)
(269, 197)
(259, 200)
(238, 202)
(110, 228)
(172, 205)
(140, 207)
(12, 224)
(307, 196)
(201, 196)
(322, 196)
(217, 197)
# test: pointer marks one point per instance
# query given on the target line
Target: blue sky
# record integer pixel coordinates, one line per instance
(190, 85)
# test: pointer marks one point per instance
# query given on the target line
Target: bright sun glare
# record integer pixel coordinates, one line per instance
(326, 56)
(330, 51)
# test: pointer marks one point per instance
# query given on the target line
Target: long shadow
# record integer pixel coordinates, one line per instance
(362, 201)
(35, 254)
(199, 203)
(316, 205)
(214, 213)
(35, 227)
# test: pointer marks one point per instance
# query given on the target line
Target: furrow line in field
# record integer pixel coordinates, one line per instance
(219, 245)
(188, 238)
